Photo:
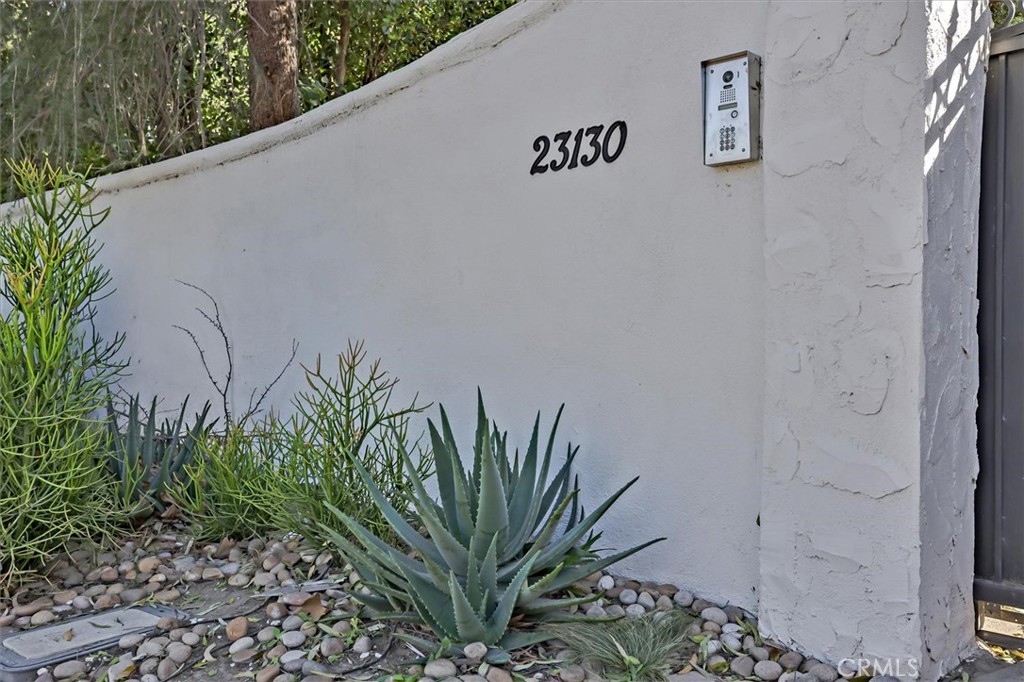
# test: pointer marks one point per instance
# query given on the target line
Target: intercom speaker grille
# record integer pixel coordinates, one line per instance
(727, 96)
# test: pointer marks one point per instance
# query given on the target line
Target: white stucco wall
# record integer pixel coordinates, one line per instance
(790, 341)
(956, 54)
(406, 215)
(870, 437)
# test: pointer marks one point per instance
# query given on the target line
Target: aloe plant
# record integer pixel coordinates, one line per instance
(495, 547)
(146, 458)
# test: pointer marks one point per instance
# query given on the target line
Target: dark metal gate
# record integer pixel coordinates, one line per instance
(999, 554)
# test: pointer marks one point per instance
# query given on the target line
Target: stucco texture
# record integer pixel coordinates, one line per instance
(870, 223)
(784, 351)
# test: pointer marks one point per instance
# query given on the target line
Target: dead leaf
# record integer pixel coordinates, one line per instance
(314, 607)
(170, 513)
(127, 672)
(69, 634)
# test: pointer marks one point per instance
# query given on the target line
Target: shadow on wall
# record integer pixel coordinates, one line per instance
(949, 466)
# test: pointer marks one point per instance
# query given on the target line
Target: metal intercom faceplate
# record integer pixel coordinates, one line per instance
(732, 109)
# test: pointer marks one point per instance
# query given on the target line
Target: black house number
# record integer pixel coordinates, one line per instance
(607, 146)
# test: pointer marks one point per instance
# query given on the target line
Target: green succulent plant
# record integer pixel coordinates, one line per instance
(146, 458)
(495, 546)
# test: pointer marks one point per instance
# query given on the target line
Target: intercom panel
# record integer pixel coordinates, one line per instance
(732, 109)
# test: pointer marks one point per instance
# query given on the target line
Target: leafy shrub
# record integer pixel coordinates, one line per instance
(55, 372)
(496, 544)
(630, 649)
(147, 460)
(277, 474)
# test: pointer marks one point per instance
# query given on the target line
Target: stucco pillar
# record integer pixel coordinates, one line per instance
(872, 115)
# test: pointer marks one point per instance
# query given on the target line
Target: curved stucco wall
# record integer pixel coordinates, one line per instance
(783, 351)
(407, 216)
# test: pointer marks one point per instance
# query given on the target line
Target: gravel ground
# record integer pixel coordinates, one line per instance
(275, 610)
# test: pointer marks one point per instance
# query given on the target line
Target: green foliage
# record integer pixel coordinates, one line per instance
(384, 35)
(640, 649)
(223, 488)
(55, 371)
(113, 84)
(338, 420)
(277, 474)
(147, 460)
(1001, 14)
(496, 544)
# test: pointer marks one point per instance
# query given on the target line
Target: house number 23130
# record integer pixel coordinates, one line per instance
(584, 148)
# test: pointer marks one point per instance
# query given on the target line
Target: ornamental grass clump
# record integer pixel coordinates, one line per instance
(501, 543)
(644, 649)
(55, 372)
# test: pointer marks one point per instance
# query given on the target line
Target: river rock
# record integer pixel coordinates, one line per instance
(293, 639)
(69, 669)
(240, 644)
(166, 668)
(237, 628)
(715, 615)
(268, 673)
(440, 669)
(824, 672)
(178, 652)
(475, 651)
(572, 673)
(768, 670)
(791, 660)
(683, 598)
(742, 666)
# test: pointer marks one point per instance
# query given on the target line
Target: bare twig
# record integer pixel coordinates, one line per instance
(223, 388)
(252, 410)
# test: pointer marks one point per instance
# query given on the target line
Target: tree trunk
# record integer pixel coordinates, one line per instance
(273, 35)
(343, 37)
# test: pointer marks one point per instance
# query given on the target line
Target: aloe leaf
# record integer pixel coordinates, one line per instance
(551, 555)
(543, 538)
(560, 483)
(538, 511)
(149, 443)
(455, 554)
(574, 512)
(474, 591)
(433, 604)
(539, 606)
(519, 639)
(489, 570)
(492, 514)
(546, 461)
(482, 441)
(497, 624)
(462, 496)
(377, 548)
(469, 626)
(536, 589)
(365, 565)
(406, 532)
(522, 500)
(445, 479)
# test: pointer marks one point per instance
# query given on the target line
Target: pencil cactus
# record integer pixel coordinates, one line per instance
(495, 546)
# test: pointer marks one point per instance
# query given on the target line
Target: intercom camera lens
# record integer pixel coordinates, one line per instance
(727, 76)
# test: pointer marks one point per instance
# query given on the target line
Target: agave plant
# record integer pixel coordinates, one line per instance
(146, 458)
(495, 547)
